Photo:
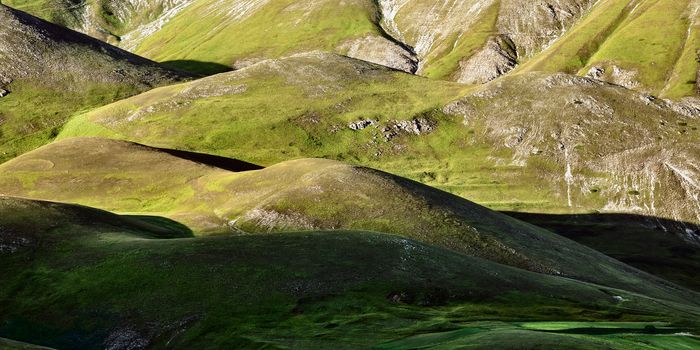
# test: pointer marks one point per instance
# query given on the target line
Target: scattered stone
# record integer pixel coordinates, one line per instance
(4, 92)
(596, 73)
(417, 126)
(361, 124)
(496, 58)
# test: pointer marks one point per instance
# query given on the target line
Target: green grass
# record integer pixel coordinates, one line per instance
(277, 29)
(652, 39)
(543, 335)
(307, 194)
(27, 126)
(80, 275)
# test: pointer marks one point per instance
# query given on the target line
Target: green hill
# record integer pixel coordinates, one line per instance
(581, 144)
(47, 73)
(89, 279)
(307, 195)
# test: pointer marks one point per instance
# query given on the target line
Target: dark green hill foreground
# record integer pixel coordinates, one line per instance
(7, 344)
(48, 72)
(304, 195)
(79, 278)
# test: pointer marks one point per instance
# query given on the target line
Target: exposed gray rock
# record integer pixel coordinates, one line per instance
(534, 25)
(126, 339)
(382, 51)
(417, 126)
(4, 92)
(498, 57)
(626, 78)
(595, 72)
(361, 124)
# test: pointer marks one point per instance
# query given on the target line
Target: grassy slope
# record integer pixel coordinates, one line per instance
(301, 195)
(318, 96)
(275, 29)
(87, 279)
(653, 39)
(107, 20)
(55, 73)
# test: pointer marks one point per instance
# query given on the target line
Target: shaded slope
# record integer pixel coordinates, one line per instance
(636, 240)
(7, 344)
(48, 72)
(304, 195)
(89, 283)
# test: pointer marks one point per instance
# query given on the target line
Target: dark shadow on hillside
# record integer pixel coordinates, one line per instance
(648, 243)
(229, 164)
(164, 227)
(198, 67)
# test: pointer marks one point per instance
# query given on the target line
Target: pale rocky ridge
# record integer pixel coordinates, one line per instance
(617, 150)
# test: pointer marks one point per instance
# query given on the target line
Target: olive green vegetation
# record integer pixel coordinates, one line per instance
(52, 73)
(27, 126)
(653, 40)
(503, 145)
(106, 20)
(296, 29)
(494, 146)
(307, 194)
(79, 278)
(445, 64)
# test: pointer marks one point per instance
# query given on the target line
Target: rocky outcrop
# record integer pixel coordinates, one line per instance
(534, 25)
(522, 29)
(498, 57)
(608, 148)
(382, 51)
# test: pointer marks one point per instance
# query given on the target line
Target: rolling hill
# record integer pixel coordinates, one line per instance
(48, 73)
(603, 148)
(307, 195)
(91, 279)
(391, 174)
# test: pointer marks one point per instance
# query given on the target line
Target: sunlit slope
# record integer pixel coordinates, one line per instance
(645, 45)
(48, 72)
(470, 41)
(582, 144)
